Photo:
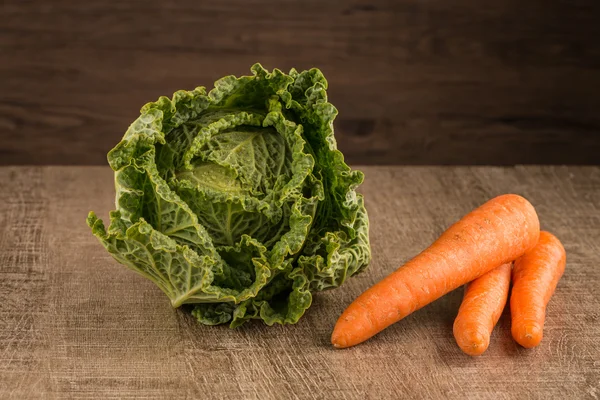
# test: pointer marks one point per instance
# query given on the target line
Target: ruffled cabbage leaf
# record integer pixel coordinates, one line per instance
(237, 200)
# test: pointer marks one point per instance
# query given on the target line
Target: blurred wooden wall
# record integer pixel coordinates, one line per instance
(415, 81)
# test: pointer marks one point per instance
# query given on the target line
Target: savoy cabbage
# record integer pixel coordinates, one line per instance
(237, 200)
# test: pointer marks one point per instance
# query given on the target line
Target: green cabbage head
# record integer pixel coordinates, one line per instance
(237, 201)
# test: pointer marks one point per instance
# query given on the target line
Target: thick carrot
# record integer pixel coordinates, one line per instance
(499, 231)
(535, 277)
(480, 310)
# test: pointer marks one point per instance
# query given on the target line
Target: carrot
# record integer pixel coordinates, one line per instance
(497, 232)
(535, 277)
(480, 310)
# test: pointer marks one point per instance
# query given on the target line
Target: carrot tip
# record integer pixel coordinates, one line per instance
(474, 344)
(339, 345)
(337, 341)
(528, 336)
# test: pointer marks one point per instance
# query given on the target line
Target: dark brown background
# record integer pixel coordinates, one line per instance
(440, 82)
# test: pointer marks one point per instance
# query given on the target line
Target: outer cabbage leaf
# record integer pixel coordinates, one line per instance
(238, 200)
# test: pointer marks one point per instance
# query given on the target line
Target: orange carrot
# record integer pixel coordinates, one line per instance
(535, 277)
(480, 310)
(499, 231)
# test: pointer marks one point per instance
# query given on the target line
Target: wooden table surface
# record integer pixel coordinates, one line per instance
(75, 324)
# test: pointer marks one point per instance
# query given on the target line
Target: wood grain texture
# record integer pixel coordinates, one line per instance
(75, 324)
(430, 82)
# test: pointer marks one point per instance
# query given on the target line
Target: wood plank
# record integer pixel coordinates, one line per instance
(74, 323)
(415, 83)
(25, 283)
